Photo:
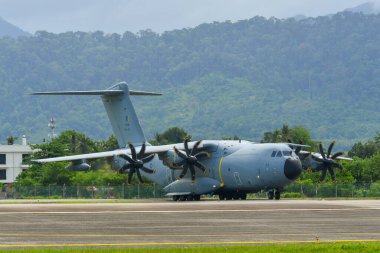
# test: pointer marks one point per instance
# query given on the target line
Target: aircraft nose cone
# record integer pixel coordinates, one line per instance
(292, 168)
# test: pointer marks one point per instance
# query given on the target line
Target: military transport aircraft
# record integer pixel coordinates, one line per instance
(228, 168)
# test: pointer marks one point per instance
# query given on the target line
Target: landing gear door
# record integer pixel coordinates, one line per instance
(237, 178)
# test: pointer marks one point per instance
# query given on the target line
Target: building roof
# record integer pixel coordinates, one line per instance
(15, 148)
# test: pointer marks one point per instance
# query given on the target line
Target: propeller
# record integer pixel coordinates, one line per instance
(298, 148)
(327, 160)
(190, 159)
(136, 163)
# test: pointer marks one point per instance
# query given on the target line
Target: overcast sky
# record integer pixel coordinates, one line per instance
(159, 15)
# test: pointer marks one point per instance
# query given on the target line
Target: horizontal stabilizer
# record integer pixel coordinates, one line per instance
(98, 93)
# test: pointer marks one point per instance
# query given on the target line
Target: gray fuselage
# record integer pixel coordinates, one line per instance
(238, 166)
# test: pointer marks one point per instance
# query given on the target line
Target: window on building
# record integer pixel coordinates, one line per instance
(3, 159)
(3, 174)
(25, 158)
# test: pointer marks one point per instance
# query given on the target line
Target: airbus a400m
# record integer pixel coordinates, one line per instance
(228, 168)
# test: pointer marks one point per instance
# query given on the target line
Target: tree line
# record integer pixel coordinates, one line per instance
(221, 78)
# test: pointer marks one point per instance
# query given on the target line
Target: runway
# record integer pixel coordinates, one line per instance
(162, 223)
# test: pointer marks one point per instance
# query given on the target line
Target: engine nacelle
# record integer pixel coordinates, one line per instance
(171, 158)
(117, 163)
(310, 164)
(79, 165)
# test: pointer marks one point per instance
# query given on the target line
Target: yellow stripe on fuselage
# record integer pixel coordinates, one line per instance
(220, 172)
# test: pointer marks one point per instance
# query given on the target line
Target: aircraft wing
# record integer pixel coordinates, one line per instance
(126, 151)
(344, 158)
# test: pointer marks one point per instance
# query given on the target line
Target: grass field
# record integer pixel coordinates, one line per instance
(304, 248)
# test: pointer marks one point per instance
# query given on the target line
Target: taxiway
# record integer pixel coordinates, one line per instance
(164, 222)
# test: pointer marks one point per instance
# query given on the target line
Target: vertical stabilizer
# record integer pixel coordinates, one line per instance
(122, 115)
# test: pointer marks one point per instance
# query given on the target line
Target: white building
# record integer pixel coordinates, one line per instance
(12, 160)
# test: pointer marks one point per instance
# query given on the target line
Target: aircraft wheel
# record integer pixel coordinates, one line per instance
(270, 194)
(277, 195)
(190, 197)
(243, 196)
(175, 198)
(236, 196)
(197, 197)
(228, 197)
(182, 198)
(222, 197)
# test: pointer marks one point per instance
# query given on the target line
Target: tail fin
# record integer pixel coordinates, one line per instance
(121, 113)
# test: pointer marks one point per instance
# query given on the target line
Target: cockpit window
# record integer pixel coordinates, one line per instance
(279, 154)
(273, 153)
(287, 153)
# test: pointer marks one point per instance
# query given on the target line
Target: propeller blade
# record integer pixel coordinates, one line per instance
(148, 158)
(196, 145)
(133, 151)
(179, 164)
(139, 176)
(332, 173)
(128, 158)
(324, 172)
(316, 158)
(130, 174)
(200, 166)
(146, 170)
(126, 167)
(184, 171)
(187, 147)
(180, 154)
(330, 148)
(202, 155)
(337, 165)
(142, 150)
(192, 171)
(321, 151)
(336, 155)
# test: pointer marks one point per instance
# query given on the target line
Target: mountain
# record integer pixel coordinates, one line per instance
(366, 8)
(219, 79)
(7, 29)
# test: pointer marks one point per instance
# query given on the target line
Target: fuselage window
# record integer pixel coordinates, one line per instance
(279, 154)
(273, 154)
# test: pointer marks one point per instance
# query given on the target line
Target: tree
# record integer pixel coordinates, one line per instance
(297, 134)
(69, 143)
(172, 135)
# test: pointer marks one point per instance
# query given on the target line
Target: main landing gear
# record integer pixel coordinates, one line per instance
(274, 194)
(233, 195)
(186, 197)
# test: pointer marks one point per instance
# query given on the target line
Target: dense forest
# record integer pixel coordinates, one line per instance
(219, 79)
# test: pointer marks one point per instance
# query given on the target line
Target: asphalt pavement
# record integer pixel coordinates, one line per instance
(167, 223)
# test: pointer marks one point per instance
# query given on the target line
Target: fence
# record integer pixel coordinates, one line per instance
(332, 190)
(295, 190)
(87, 192)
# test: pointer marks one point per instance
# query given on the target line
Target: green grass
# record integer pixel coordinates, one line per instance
(304, 248)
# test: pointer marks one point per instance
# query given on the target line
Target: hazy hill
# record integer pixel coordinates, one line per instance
(7, 29)
(366, 8)
(219, 79)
